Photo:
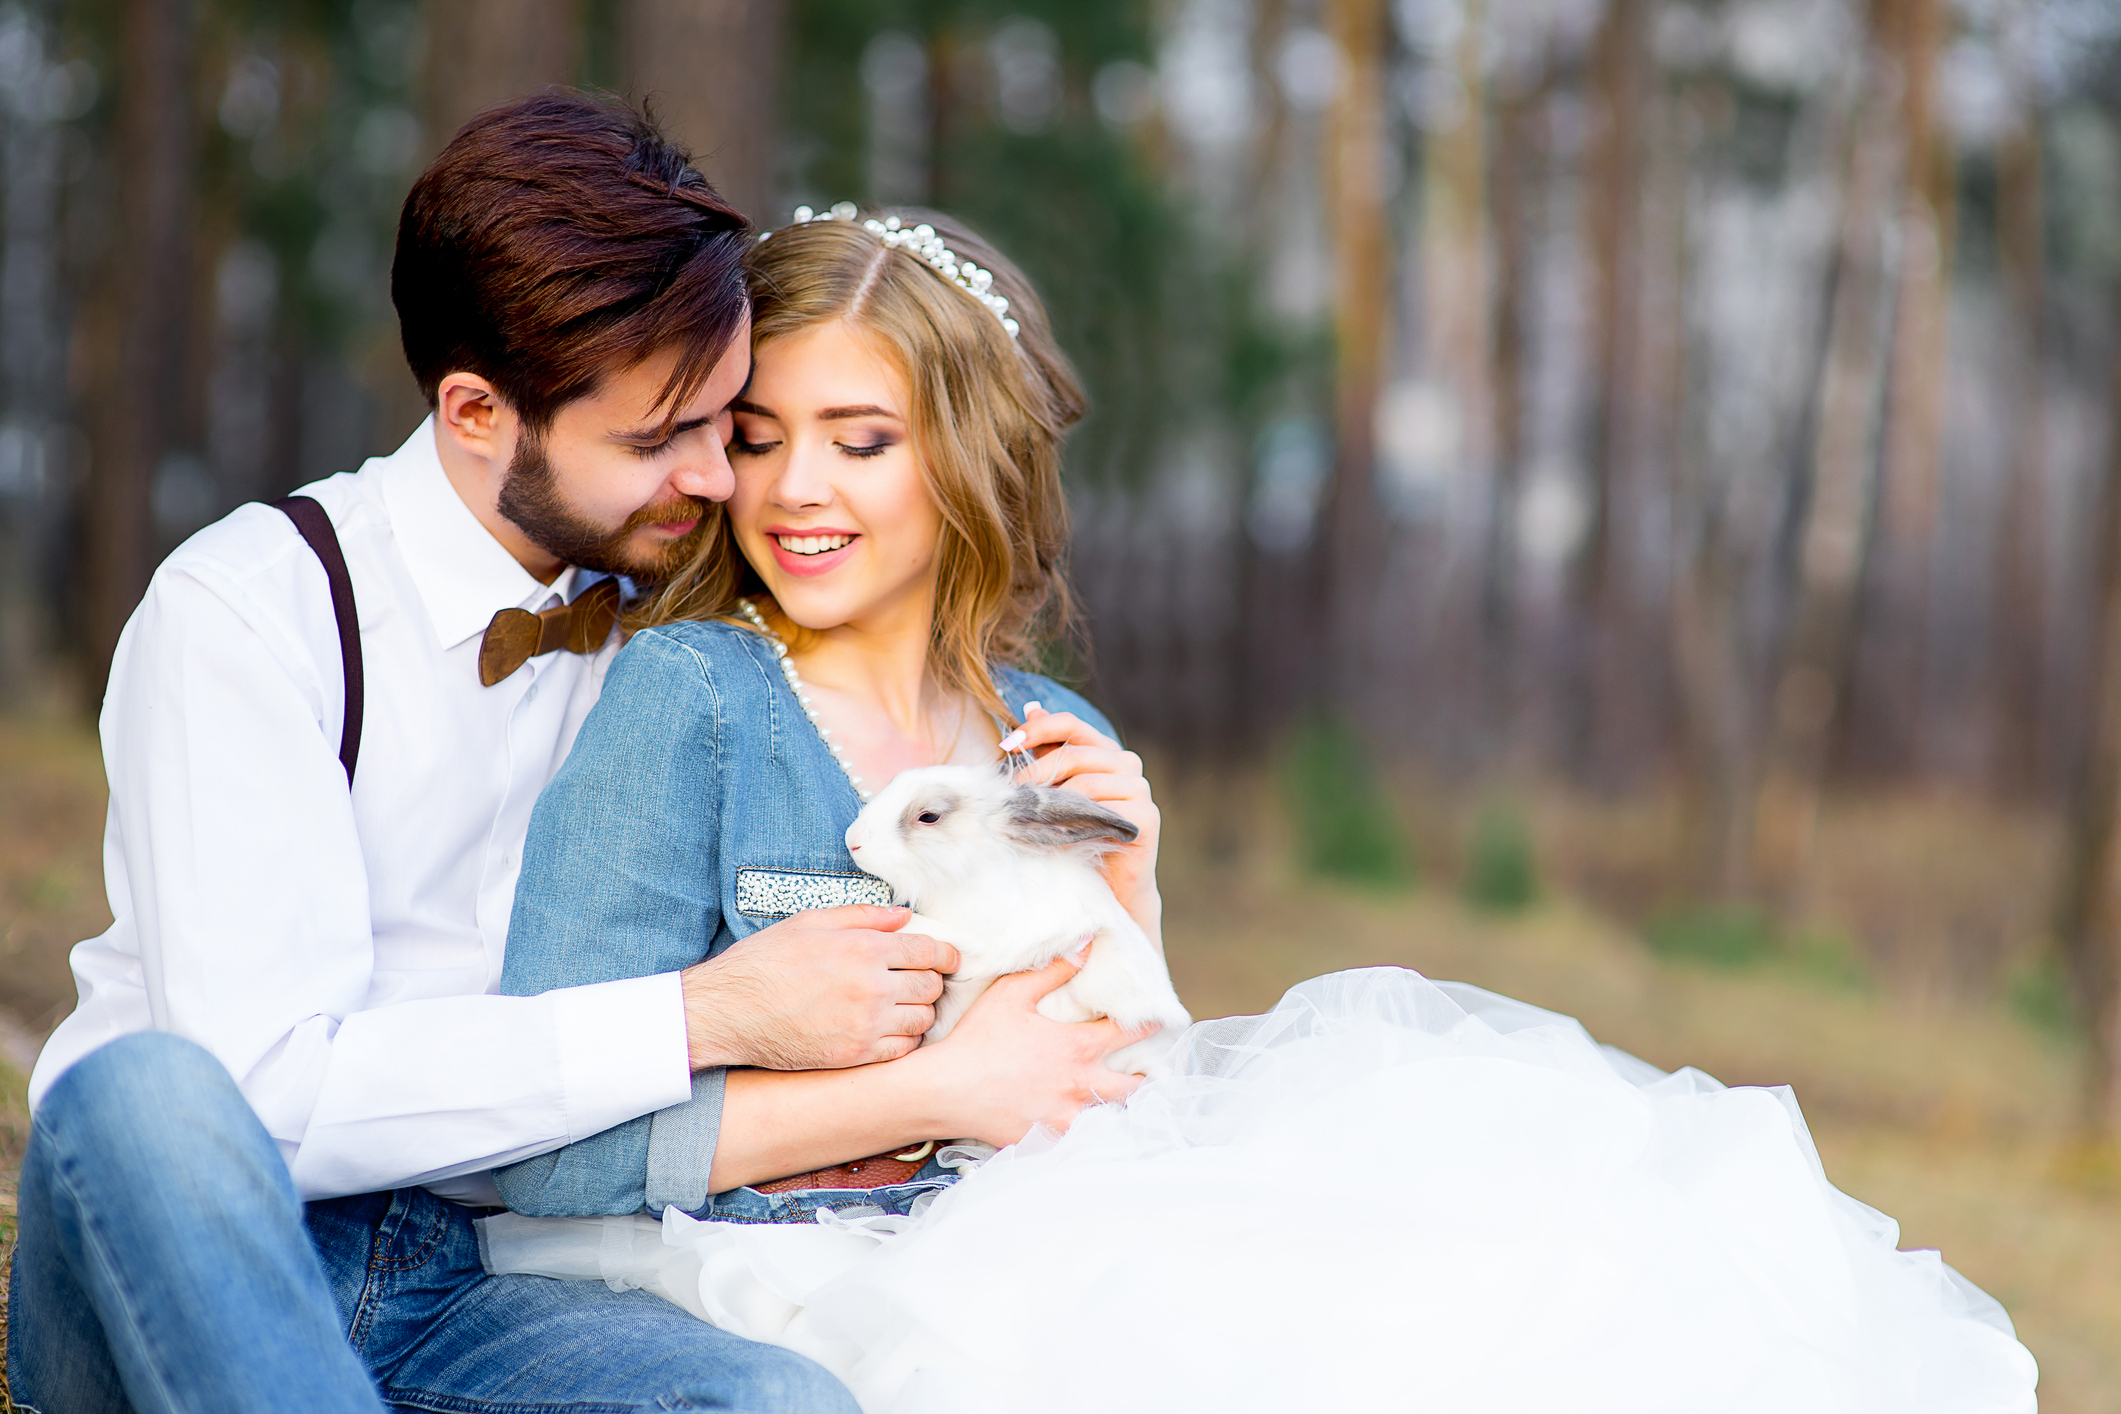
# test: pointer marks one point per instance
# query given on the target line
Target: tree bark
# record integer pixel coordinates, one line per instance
(1515, 161)
(482, 53)
(709, 68)
(136, 396)
(1598, 647)
(1458, 360)
(1717, 756)
(1811, 685)
(2020, 621)
(2088, 915)
(1895, 658)
(1352, 543)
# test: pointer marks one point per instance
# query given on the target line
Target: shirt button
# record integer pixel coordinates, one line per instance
(532, 695)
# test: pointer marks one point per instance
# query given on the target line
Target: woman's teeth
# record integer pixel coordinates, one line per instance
(813, 544)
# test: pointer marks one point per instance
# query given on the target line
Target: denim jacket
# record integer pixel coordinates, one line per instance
(697, 807)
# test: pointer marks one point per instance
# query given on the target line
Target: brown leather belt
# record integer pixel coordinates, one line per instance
(876, 1171)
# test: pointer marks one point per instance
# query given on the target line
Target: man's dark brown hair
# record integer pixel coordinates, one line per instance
(560, 238)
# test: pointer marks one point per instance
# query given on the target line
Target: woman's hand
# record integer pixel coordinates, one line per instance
(1004, 1069)
(1072, 753)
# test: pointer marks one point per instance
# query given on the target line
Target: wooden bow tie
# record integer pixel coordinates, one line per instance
(516, 635)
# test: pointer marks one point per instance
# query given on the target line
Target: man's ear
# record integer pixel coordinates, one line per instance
(1046, 817)
(473, 415)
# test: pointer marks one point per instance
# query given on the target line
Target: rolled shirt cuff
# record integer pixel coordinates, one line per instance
(681, 1146)
(622, 1049)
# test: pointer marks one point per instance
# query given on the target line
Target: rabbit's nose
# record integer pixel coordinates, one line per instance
(854, 849)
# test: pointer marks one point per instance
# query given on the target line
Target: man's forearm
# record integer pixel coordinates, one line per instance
(536, 1071)
(776, 1123)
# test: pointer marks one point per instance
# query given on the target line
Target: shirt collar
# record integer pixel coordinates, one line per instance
(463, 574)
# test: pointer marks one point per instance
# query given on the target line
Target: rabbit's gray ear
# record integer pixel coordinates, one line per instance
(1046, 817)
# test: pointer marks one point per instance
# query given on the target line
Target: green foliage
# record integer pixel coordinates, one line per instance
(1502, 868)
(1830, 960)
(1345, 826)
(2040, 997)
(1740, 938)
(1720, 937)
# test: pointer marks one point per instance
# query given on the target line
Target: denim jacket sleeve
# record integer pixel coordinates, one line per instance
(619, 880)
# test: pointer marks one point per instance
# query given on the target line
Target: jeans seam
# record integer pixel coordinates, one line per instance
(428, 1400)
(371, 1300)
(95, 1248)
(430, 1240)
(363, 1317)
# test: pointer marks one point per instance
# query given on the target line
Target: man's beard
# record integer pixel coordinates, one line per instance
(531, 499)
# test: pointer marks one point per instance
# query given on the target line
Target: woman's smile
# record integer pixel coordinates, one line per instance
(810, 553)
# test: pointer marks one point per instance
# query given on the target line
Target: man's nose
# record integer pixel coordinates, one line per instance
(707, 475)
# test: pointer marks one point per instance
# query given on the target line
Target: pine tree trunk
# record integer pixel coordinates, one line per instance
(1457, 361)
(1599, 646)
(1894, 669)
(2088, 916)
(482, 53)
(136, 393)
(1716, 739)
(2019, 634)
(709, 69)
(1351, 541)
(1811, 685)
(1514, 178)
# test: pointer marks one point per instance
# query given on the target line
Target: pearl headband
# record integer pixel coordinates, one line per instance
(923, 243)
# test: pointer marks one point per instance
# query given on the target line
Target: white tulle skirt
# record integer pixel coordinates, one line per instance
(1384, 1194)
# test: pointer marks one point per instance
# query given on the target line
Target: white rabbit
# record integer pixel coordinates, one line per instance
(1007, 874)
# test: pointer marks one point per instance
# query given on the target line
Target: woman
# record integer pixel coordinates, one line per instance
(1384, 1194)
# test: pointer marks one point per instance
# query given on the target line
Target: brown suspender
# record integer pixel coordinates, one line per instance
(315, 526)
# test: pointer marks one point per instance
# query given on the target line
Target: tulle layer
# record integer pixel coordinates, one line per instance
(1384, 1194)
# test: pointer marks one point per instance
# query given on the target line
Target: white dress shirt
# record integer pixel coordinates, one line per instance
(338, 954)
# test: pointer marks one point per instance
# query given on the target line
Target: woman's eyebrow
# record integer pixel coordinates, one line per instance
(745, 405)
(864, 410)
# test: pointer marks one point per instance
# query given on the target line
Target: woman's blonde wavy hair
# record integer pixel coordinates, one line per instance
(987, 419)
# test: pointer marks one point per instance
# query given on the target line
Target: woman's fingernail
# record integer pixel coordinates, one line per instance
(1013, 742)
(1030, 707)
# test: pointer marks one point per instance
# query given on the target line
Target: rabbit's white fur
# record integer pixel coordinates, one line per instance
(1008, 875)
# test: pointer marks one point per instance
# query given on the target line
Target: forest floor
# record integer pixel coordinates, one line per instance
(1937, 1081)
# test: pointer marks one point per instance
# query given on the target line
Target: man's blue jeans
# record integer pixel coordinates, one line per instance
(165, 1263)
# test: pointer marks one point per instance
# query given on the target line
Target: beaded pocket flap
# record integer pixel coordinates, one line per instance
(777, 893)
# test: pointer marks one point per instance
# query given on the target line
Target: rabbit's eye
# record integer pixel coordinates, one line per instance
(927, 817)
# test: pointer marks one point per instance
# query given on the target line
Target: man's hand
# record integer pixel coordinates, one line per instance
(819, 991)
(1004, 1068)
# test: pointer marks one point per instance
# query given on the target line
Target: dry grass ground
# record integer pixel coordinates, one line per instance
(1929, 1098)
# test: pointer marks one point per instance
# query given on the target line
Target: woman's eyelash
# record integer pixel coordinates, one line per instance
(869, 449)
(750, 449)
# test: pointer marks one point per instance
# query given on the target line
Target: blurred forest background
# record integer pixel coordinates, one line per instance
(1617, 500)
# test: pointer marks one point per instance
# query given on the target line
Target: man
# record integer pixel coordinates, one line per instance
(261, 1138)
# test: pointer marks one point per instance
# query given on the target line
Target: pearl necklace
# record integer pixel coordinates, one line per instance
(757, 620)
